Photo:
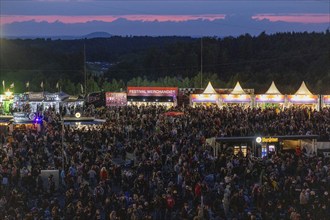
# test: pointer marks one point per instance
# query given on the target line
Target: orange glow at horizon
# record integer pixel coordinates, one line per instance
(8, 19)
(297, 18)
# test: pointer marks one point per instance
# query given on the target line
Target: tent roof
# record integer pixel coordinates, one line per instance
(238, 90)
(273, 90)
(209, 89)
(303, 90)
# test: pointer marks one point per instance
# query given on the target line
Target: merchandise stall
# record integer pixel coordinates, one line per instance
(166, 96)
(208, 98)
(303, 98)
(115, 99)
(272, 98)
(325, 101)
(237, 97)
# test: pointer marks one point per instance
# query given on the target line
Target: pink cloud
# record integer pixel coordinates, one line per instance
(298, 18)
(106, 18)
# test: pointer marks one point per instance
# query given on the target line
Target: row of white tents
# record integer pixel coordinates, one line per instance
(273, 96)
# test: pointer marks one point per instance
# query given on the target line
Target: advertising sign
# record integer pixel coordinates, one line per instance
(303, 99)
(152, 91)
(270, 98)
(204, 98)
(236, 98)
(326, 99)
(115, 99)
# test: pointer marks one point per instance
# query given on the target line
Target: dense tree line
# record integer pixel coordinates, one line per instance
(286, 58)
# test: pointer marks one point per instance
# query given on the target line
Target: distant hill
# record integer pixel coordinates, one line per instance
(65, 37)
(97, 35)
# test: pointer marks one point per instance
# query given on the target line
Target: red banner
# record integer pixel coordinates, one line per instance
(152, 91)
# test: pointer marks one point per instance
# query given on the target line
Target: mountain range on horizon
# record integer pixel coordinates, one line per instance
(231, 26)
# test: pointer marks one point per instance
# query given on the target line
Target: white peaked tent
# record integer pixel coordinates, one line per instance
(303, 90)
(209, 96)
(271, 96)
(304, 97)
(238, 90)
(273, 90)
(237, 96)
(209, 89)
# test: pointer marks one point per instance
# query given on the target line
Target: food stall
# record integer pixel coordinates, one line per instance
(207, 98)
(271, 98)
(115, 99)
(303, 98)
(237, 97)
(166, 96)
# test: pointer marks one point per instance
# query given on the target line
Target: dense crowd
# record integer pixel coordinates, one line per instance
(172, 174)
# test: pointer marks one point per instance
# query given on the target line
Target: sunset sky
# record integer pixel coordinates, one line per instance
(186, 17)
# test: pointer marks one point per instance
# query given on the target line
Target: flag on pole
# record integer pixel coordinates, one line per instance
(57, 85)
(12, 85)
(81, 88)
(42, 84)
(27, 84)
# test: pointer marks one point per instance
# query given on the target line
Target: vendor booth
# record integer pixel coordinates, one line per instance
(272, 98)
(20, 102)
(73, 102)
(53, 100)
(115, 99)
(36, 101)
(207, 98)
(325, 101)
(166, 96)
(237, 97)
(6, 103)
(303, 98)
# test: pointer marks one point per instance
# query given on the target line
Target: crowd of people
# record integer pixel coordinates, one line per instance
(142, 164)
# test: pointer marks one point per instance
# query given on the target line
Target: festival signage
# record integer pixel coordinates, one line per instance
(270, 98)
(303, 99)
(231, 98)
(152, 91)
(204, 98)
(115, 99)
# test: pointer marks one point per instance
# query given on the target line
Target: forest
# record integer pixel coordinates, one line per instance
(255, 61)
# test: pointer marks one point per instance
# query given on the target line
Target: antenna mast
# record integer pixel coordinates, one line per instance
(201, 62)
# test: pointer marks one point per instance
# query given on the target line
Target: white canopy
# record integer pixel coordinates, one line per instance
(209, 89)
(238, 90)
(273, 90)
(303, 90)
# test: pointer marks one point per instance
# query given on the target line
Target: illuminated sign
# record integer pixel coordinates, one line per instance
(269, 140)
(236, 98)
(152, 91)
(302, 99)
(270, 98)
(204, 97)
